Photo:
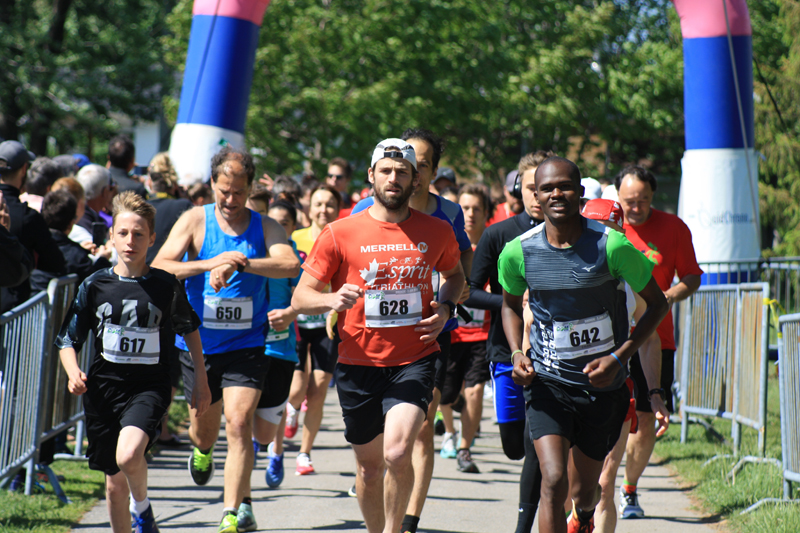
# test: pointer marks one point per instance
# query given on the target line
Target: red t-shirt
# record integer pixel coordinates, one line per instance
(501, 212)
(478, 329)
(393, 264)
(667, 241)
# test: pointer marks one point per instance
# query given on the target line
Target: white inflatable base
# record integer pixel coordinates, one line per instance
(192, 146)
(717, 203)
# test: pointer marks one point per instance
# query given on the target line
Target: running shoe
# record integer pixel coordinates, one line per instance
(274, 473)
(304, 406)
(465, 462)
(145, 522)
(576, 525)
(352, 491)
(448, 450)
(438, 423)
(229, 524)
(629, 505)
(201, 466)
(304, 465)
(245, 519)
(291, 421)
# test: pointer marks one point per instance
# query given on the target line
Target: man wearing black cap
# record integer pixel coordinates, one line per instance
(26, 224)
(445, 177)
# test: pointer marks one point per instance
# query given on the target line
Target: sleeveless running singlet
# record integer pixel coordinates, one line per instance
(235, 317)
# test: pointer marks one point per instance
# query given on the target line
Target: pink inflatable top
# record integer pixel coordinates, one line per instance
(706, 18)
(250, 10)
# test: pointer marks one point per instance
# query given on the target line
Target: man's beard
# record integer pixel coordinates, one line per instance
(394, 203)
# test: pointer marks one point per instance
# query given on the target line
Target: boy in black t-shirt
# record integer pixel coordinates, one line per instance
(134, 313)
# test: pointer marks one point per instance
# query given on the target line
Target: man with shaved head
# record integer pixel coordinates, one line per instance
(574, 374)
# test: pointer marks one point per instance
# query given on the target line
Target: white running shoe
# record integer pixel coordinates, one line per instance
(449, 450)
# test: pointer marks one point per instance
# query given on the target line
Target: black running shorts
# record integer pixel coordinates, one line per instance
(467, 365)
(667, 376)
(324, 351)
(277, 383)
(590, 420)
(111, 405)
(366, 393)
(239, 368)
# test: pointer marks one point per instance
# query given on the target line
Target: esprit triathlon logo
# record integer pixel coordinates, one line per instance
(397, 273)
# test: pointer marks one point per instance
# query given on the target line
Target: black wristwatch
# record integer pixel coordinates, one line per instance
(452, 308)
(660, 392)
(240, 267)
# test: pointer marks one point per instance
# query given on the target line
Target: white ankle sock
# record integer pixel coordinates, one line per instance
(139, 507)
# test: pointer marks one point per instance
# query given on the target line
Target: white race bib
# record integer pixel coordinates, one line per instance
(275, 336)
(587, 336)
(392, 309)
(311, 321)
(228, 313)
(478, 317)
(130, 345)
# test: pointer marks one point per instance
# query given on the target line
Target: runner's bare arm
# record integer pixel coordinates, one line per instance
(281, 261)
(454, 281)
(201, 394)
(466, 266)
(513, 325)
(309, 299)
(187, 232)
(77, 379)
(603, 370)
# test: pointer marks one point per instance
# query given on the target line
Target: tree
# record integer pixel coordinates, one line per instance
(69, 65)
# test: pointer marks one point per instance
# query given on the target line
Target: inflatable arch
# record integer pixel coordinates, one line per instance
(719, 189)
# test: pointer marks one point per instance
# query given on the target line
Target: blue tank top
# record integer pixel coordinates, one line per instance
(282, 344)
(235, 317)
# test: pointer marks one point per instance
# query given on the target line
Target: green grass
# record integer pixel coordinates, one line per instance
(726, 499)
(44, 513)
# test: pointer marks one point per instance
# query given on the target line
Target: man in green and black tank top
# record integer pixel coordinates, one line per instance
(575, 372)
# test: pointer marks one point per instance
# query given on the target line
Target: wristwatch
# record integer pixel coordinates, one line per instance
(660, 392)
(452, 308)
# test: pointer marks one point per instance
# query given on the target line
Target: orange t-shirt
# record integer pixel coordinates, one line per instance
(393, 263)
(666, 241)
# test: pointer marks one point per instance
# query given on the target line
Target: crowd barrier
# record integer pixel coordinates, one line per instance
(724, 358)
(35, 405)
(789, 383)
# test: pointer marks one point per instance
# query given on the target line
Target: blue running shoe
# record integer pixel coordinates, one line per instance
(274, 473)
(145, 522)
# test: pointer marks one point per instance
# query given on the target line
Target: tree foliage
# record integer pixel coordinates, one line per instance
(496, 79)
(68, 65)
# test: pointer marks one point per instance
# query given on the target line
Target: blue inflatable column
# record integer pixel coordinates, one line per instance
(719, 193)
(216, 83)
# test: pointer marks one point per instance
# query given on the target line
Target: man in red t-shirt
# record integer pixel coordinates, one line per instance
(388, 321)
(667, 242)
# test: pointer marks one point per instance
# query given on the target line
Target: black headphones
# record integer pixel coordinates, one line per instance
(516, 192)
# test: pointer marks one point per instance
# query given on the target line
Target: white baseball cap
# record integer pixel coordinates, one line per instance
(406, 151)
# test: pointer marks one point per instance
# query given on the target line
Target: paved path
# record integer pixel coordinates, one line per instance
(457, 502)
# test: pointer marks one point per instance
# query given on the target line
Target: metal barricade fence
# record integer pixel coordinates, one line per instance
(708, 354)
(24, 335)
(751, 363)
(789, 383)
(61, 410)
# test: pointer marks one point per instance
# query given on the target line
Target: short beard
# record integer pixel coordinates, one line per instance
(394, 204)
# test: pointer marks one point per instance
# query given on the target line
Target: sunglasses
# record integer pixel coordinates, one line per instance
(337, 176)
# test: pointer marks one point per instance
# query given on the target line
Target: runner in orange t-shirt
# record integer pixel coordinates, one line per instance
(666, 241)
(388, 321)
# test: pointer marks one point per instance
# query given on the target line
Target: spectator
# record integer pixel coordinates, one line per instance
(100, 190)
(41, 176)
(16, 262)
(78, 234)
(59, 210)
(67, 164)
(121, 160)
(26, 224)
(200, 194)
(169, 208)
